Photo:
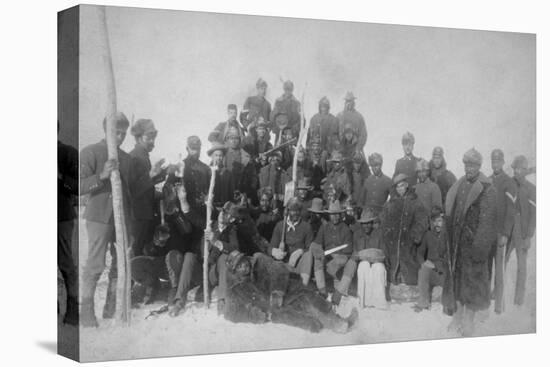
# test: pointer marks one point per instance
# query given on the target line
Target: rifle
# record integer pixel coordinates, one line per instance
(121, 244)
(280, 146)
(208, 229)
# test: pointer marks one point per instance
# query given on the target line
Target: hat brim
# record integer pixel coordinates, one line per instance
(321, 211)
(368, 220)
(309, 188)
(212, 150)
(341, 211)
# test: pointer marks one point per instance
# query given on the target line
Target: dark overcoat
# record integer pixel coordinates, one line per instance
(471, 234)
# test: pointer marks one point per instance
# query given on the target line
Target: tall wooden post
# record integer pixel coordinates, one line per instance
(123, 265)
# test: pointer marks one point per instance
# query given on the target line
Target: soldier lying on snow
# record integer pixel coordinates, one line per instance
(261, 289)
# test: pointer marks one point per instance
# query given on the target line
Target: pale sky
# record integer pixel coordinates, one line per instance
(454, 88)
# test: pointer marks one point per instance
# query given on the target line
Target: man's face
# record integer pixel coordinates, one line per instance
(147, 141)
(302, 194)
(401, 188)
(349, 105)
(437, 161)
(350, 212)
(324, 109)
(234, 141)
(265, 203)
(471, 170)
(194, 153)
(262, 90)
(287, 134)
(408, 148)
(275, 161)
(520, 172)
(261, 132)
(437, 224)
(348, 135)
(497, 165)
(288, 89)
(376, 169)
(281, 121)
(231, 114)
(120, 136)
(316, 147)
(336, 165)
(243, 267)
(422, 175)
(217, 158)
(367, 227)
(335, 218)
(294, 215)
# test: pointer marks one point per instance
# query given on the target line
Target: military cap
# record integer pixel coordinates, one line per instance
(349, 97)
(367, 216)
(336, 156)
(472, 156)
(193, 142)
(216, 146)
(288, 85)
(294, 204)
(121, 121)
(232, 106)
(520, 162)
(497, 155)
(422, 165)
(400, 177)
(436, 212)
(143, 127)
(276, 153)
(407, 138)
(324, 102)
(261, 83)
(437, 152)
(375, 158)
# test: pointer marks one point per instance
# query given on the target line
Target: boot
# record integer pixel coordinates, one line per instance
(87, 313)
(176, 308)
(320, 281)
(71, 313)
(336, 297)
(110, 301)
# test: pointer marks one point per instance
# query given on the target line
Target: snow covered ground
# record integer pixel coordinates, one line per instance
(200, 331)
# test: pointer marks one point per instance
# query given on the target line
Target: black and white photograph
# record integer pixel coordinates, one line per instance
(235, 183)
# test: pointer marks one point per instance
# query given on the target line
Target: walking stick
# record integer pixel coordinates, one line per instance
(208, 229)
(123, 264)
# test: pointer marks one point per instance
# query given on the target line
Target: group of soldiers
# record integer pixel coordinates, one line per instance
(291, 255)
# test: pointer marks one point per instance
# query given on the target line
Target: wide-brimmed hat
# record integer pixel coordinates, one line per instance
(400, 177)
(304, 184)
(316, 206)
(336, 156)
(335, 208)
(367, 216)
(216, 146)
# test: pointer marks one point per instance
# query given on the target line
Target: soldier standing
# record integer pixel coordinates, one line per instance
(196, 173)
(407, 164)
(95, 172)
(239, 163)
(337, 181)
(377, 187)
(440, 174)
(505, 200)
(428, 192)
(288, 105)
(324, 126)
(219, 133)
(524, 224)
(351, 119)
(257, 106)
(471, 208)
(147, 177)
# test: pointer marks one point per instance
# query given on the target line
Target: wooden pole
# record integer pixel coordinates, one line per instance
(209, 207)
(123, 265)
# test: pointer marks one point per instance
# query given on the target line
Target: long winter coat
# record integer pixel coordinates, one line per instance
(471, 234)
(403, 222)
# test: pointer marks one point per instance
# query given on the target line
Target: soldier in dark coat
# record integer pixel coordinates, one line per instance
(223, 188)
(351, 119)
(407, 164)
(439, 172)
(288, 105)
(324, 126)
(524, 224)
(428, 192)
(257, 106)
(220, 131)
(471, 211)
(337, 182)
(262, 289)
(196, 174)
(376, 188)
(147, 176)
(67, 190)
(95, 172)
(267, 215)
(505, 194)
(258, 143)
(318, 158)
(241, 166)
(274, 176)
(403, 223)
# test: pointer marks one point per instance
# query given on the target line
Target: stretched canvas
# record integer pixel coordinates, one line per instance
(232, 183)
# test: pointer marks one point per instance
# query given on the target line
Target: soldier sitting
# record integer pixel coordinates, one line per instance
(261, 289)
